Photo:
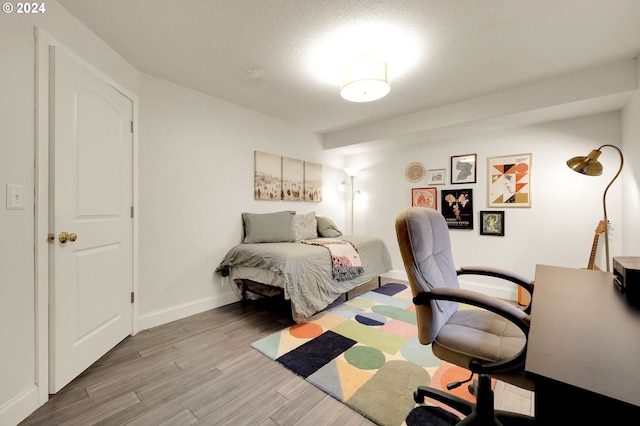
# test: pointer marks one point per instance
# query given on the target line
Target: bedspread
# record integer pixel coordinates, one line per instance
(306, 270)
(345, 260)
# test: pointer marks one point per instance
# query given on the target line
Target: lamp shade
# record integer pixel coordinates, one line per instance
(365, 80)
(588, 165)
(351, 171)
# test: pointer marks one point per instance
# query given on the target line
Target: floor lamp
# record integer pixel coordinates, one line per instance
(590, 166)
(351, 172)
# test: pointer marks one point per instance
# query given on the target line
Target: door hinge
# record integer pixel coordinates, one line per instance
(132, 127)
(131, 212)
(132, 297)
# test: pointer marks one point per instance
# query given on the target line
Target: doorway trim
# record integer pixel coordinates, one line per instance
(43, 41)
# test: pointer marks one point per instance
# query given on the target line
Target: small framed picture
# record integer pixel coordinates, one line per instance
(457, 208)
(436, 176)
(492, 223)
(424, 197)
(463, 168)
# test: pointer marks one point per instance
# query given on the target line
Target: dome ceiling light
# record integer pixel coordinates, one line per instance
(365, 80)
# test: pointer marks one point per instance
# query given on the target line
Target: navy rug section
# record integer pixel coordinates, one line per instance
(430, 416)
(310, 357)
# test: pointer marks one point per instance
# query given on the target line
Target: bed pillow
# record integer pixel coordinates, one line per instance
(305, 226)
(327, 228)
(268, 227)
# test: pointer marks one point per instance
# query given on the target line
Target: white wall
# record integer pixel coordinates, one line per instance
(17, 288)
(196, 175)
(566, 207)
(631, 177)
(23, 373)
(196, 178)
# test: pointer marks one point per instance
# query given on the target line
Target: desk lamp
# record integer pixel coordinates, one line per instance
(590, 166)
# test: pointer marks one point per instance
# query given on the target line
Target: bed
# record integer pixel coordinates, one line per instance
(277, 257)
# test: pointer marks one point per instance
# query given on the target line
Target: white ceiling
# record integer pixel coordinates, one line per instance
(284, 57)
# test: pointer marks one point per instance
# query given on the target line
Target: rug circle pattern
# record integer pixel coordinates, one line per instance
(364, 352)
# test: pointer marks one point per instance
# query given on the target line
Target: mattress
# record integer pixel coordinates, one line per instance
(302, 271)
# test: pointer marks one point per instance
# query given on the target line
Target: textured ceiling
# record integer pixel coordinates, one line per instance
(284, 57)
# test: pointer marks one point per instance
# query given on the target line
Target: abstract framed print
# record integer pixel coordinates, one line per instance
(510, 181)
(463, 169)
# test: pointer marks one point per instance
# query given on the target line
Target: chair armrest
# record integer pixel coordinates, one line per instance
(520, 280)
(495, 272)
(517, 316)
(470, 297)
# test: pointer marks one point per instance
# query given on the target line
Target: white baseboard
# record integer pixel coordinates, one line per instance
(20, 407)
(506, 292)
(172, 313)
(396, 275)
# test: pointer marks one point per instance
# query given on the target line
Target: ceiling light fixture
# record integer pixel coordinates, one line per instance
(365, 80)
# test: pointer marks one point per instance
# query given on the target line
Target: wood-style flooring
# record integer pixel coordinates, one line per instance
(201, 370)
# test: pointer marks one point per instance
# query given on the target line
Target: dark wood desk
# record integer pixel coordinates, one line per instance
(584, 349)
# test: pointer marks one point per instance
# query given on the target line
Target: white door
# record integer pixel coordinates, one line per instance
(91, 200)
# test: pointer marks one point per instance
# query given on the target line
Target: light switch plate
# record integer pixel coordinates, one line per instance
(15, 197)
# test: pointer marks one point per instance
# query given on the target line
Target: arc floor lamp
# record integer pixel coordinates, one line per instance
(590, 166)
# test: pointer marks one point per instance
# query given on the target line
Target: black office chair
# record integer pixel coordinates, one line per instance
(490, 342)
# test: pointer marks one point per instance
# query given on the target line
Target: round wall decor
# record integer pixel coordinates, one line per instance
(415, 172)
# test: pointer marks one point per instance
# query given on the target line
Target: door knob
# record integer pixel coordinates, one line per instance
(64, 237)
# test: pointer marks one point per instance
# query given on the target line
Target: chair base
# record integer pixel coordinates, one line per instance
(482, 412)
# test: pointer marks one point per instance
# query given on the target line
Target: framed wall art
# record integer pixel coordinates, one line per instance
(282, 178)
(436, 176)
(292, 179)
(312, 182)
(267, 176)
(457, 208)
(463, 169)
(424, 197)
(510, 181)
(492, 223)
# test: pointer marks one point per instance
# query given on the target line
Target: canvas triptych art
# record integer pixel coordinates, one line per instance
(283, 178)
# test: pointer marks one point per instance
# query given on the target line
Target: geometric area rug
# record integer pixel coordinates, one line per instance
(365, 353)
